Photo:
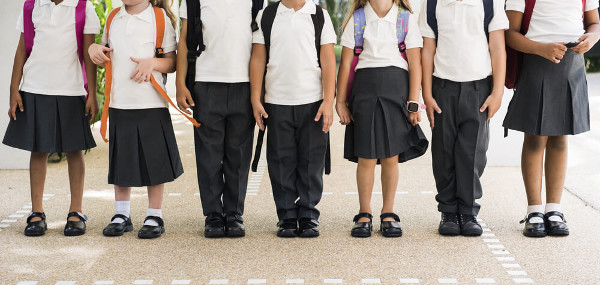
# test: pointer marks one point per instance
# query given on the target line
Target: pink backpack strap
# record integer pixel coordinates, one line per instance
(79, 24)
(28, 28)
(402, 30)
(360, 22)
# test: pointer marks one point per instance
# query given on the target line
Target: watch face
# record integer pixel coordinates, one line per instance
(413, 107)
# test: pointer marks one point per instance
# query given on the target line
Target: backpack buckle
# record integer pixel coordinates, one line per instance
(358, 50)
(192, 55)
(159, 52)
(402, 47)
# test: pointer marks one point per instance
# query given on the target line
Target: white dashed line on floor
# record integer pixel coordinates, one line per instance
(294, 281)
(65, 283)
(409, 281)
(143, 282)
(511, 265)
(27, 283)
(333, 281)
(16, 216)
(485, 280)
(104, 282)
(218, 281)
(181, 282)
(174, 194)
(257, 281)
(447, 281)
(371, 281)
(516, 272)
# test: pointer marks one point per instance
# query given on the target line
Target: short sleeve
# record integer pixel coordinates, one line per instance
(413, 36)
(257, 36)
(516, 5)
(183, 10)
(170, 39)
(499, 21)
(347, 39)
(92, 22)
(20, 27)
(591, 5)
(328, 35)
(424, 28)
(104, 39)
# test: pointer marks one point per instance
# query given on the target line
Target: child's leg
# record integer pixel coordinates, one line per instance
(76, 166)
(532, 161)
(365, 176)
(155, 196)
(389, 183)
(38, 164)
(556, 168)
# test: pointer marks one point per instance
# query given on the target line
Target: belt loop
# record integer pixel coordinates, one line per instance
(476, 84)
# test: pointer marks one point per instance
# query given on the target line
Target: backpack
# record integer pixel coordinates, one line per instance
(159, 18)
(195, 38)
(360, 23)
(29, 32)
(488, 14)
(514, 58)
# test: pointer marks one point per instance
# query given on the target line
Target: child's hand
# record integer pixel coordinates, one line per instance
(184, 99)
(586, 42)
(344, 113)
(259, 114)
(144, 69)
(432, 108)
(325, 111)
(15, 101)
(91, 108)
(414, 117)
(492, 104)
(97, 54)
(553, 51)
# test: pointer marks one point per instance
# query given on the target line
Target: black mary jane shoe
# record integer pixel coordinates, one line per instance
(556, 228)
(75, 228)
(469, 226)
(214, 226)
(308, 228)
(288, 228)
(234, 226)
(390, 228)
(148, 232)
(362, 229)
(534, 229)
(118, 229)
(37, 228)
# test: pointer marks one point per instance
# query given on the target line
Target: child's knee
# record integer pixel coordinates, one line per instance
(535, 143)
(557, 143)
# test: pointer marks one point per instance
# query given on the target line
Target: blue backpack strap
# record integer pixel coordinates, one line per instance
(360, 22)
(431, 17)
(488, 9)
(402, 28)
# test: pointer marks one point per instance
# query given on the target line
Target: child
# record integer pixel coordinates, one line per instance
(221, 103)
(143, 150)
(300, 87)
(49, 111)
(379, 127)
(464, 63)
(551, 99)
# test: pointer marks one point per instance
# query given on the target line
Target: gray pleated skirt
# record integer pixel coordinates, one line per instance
(381, 128)
(50, 124)
(142, 148)
(551, 99)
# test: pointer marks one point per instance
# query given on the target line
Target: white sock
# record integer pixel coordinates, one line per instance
(155, 213)
(550, 207)
(535, 209)
(123, 208)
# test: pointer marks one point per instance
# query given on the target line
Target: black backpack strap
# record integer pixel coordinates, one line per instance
(194, 40)
(257, 5)
(266, 24)
(488, 9)
(258, 147)
(318, 20)
(431, 18)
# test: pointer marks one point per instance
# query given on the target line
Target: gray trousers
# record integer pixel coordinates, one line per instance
(460, 140)
(296, 147)
(223, 145)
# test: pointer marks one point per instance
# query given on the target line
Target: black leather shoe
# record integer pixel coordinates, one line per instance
(214, 226)
(234, 226)
(390, 229)
(115, 230)
(469, 225)
(362, 229)
(449, 225)
(75, 228)
(287, 228)
(534, 229)
(152, 231)
(308, 228)
(556, 228)
(38, 228)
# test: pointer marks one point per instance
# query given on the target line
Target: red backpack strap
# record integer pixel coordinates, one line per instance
(583, 1)
(108, 80)
(28, 28)
(529, 5)
(79, 25)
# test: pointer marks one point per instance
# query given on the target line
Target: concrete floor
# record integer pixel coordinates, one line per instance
(184, 256)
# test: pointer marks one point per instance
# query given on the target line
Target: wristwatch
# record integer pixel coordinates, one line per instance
(414, 106)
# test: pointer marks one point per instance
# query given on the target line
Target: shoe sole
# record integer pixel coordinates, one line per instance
(453, 234)
(558, 233)
(309, 234)
(35, 234)
(143, 236)
(214, 234)
(391, 235)
(471, 234)
(235, 234)
(118, 234)
(287, 234)
(69, 234)
(361, 235)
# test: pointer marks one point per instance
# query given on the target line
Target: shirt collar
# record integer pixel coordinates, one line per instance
(145, 15)
(466, 2)
(68, 3)
(308, 8)
(391, 16)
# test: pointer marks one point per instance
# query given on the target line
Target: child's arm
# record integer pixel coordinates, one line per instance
(552, 51)
(328, 74)
(144, 69)
(258, 63)
(97, 54)
(415, 72)
(184, 97)
(592, 32)
(427, 54)
(342, 86)
(17, 75)
(91, 104)
(498, 55)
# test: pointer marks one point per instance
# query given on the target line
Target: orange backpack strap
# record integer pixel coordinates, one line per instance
(108, 84)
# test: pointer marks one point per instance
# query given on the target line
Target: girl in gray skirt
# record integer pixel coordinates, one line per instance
(551, 100)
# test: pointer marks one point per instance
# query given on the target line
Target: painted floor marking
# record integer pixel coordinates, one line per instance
(409, 281)
(104, 282)
(333, 281)
(181, 282)
(485, 280)
(174, 194)
(294, 281)
(257, 281)
(219, 281)
(143, 282)
(16, 216)
(371, 281)
(447, 281)
(27, 283)
(65, 283)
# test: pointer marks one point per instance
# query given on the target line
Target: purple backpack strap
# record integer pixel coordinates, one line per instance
(402, 30)
(79, 24)
(28, 28)
(360, 23)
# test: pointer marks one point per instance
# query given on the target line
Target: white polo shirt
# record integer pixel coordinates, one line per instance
(228, 40)
(380, 45)
(293, 72)
(53, 66)
(554, 20)
(135, 36)
(462, 53)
